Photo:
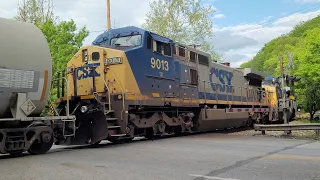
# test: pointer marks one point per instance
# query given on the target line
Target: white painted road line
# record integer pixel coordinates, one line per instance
(211, 177)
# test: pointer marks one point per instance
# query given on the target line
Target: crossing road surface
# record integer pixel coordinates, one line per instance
(198, 157)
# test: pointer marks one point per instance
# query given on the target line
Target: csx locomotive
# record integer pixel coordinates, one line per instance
(132, 82)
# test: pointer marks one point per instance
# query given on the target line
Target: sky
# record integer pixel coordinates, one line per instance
(241, 27)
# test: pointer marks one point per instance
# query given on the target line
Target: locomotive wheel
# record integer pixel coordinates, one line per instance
(128, 139)
(177, 131)
(149, 133)
(41, 146)
(97, 143)
(115, 140)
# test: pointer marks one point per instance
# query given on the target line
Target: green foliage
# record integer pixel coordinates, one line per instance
(64, 39)
(35, 11)
(185, 21)
(304, 42)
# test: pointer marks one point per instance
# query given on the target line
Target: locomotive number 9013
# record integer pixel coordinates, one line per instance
(159, 64)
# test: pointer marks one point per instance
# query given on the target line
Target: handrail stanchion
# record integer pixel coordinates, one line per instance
(205, 92)
(227, 93)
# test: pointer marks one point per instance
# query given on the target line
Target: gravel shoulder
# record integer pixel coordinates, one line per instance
(298, 134)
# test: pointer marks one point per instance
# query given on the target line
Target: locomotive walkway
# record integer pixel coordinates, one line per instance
(196, 157)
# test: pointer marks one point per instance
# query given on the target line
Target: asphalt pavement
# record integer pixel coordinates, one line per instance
(196, 157)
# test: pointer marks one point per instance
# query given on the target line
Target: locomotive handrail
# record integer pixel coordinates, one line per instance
(109, 96)
(67, 90)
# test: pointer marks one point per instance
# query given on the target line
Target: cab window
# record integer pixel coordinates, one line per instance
(162, 48)
(131, 41)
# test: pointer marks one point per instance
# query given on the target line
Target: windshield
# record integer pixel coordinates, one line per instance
(134, 40)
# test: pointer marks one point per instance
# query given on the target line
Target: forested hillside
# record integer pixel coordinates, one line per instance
(304, 42)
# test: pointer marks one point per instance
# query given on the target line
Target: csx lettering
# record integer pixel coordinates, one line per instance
(87, 71)
(159, 64)
(224, 77)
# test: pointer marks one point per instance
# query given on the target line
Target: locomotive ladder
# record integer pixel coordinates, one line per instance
(114, 128)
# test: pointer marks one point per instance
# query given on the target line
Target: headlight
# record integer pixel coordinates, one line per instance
(85, 55)
(114, 60)
(69, 69)
(84, 109)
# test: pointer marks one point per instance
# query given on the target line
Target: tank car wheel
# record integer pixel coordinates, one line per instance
(16, 154)
(43, 146)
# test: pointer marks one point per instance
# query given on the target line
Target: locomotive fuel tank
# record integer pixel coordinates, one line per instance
(25, 66)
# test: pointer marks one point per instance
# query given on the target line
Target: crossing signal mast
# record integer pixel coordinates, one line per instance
(287, 104)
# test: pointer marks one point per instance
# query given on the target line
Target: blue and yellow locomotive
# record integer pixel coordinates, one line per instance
(131, 82)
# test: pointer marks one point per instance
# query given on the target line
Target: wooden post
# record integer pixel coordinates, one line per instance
(108, 15)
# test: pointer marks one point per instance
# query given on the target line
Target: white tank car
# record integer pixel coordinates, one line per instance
(25, 67)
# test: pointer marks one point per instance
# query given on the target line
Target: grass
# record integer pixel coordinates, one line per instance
(305, 134)
(296, 134)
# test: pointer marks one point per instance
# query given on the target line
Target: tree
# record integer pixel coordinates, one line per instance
(63, 37)
(35, 11)
(63, 41)
(304, 42)
(185, 21)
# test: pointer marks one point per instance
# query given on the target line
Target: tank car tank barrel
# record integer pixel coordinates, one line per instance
(20, 43)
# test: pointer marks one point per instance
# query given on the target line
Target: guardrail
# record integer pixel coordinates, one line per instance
(287, 127)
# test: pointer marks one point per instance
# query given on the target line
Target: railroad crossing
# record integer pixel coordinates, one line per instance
(216, 156)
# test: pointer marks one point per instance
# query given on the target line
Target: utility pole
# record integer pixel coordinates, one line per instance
(290, 62)
(108, 15)
(284, 109)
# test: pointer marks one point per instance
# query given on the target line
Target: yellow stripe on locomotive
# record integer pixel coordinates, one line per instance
(108, 67)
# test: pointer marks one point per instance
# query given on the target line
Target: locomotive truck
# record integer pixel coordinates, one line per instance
(130, 82)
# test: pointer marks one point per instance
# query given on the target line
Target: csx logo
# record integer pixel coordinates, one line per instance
(224, 77)
(87, 71)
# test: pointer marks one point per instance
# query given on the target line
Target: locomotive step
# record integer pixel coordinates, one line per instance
(118, 135)
(111, 119)
(111, 111)
(113, 127)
